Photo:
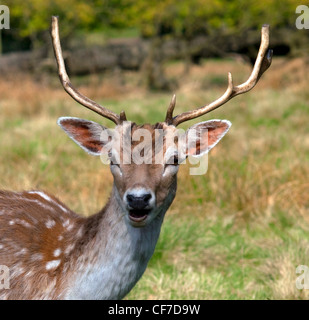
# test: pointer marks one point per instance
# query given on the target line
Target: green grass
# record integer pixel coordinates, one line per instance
(238, 232)
(219, 260)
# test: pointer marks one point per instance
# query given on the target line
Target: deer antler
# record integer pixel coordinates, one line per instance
(262, 63)
(66, 83)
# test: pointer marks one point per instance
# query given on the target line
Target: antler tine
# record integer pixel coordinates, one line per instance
(170, 110)
(68, 87)
(262, 63)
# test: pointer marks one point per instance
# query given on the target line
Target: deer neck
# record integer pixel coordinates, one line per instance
(116, 254)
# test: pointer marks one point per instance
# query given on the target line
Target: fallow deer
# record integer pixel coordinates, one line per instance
(53, 253)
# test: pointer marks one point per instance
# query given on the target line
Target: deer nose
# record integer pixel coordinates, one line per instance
(138, 200)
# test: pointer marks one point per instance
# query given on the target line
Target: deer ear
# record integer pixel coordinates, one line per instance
(203, 136)
(87, 134)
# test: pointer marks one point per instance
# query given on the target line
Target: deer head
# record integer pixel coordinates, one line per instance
(145, 178)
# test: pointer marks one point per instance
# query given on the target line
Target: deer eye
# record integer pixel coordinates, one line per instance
(173, 161)
(113, 160)
(171, 166)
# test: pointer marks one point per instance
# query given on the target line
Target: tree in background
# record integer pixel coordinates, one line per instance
(156, 20)
(31, 19)
(186, 18)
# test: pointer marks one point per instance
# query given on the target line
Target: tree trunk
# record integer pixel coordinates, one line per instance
(0, 42)
(153, 66)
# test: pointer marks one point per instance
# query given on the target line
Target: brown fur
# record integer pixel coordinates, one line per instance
(29, 244)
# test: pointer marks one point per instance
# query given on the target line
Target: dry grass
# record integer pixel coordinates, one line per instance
(238, 232)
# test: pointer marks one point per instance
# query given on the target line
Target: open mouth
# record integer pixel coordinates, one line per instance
(138, 215)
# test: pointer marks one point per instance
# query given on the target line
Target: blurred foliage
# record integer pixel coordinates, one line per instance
(190, 17)
(185, 18)
(32, 18)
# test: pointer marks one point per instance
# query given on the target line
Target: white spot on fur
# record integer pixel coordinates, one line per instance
(23, 222)
(60, 238)
(66, 223)
(22, 251)
(69, 248)
(48, 198)
(41, 204)
(57, 252)
(50, 223)
(52, 264)
(20, 221)
(79, 233)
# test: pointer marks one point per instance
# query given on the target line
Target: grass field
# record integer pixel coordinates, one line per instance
(238, 232)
